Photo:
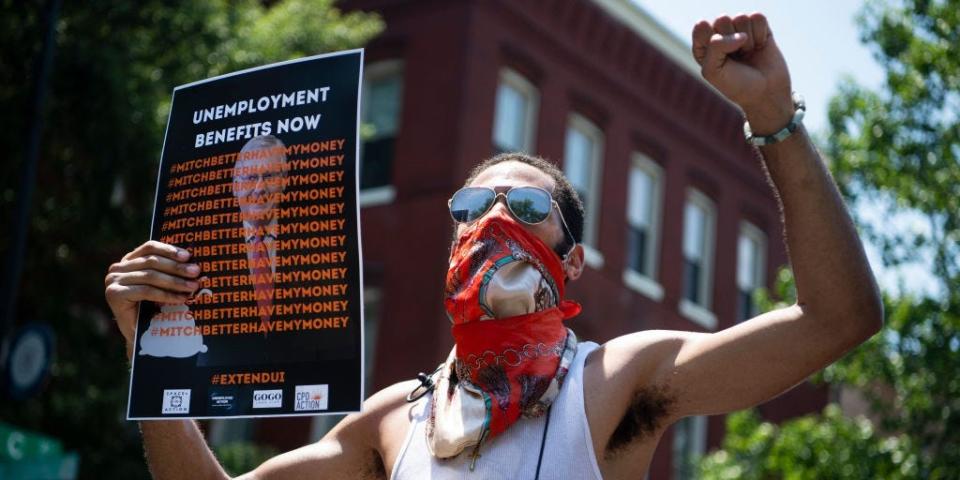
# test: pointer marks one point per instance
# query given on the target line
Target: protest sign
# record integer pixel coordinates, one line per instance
(258, 181)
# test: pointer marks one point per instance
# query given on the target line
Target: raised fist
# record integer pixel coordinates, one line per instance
(739, 57)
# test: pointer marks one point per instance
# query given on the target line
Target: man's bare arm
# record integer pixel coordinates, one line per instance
(159, 272)
(359, 447)
(838, 303)
(176, 449)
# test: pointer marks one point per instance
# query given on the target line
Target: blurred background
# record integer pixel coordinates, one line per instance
(682, 229)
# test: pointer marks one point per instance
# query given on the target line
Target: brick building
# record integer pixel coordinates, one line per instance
(681, 224)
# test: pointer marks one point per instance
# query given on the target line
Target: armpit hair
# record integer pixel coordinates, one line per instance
(649, 406)
(373, 467)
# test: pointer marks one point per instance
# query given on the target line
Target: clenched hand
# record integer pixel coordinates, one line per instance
(740, 58)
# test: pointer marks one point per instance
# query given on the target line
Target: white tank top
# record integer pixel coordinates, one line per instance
(568, 452)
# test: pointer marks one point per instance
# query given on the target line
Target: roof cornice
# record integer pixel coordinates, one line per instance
(640, 21)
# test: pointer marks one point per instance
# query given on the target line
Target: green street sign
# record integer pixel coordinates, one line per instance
(19, 445)
(59, 467)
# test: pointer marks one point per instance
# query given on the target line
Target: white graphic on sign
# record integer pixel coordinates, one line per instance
(311, 398)
(176, 401)
(173, 333)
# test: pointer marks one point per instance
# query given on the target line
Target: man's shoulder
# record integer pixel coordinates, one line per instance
(363, 445)
(390, 398)
(626, 402)
(387, 407)
(383, 422)
(644, 348)
(631, 368)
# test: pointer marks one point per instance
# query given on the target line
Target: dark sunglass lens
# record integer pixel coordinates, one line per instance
(531, 205)
(470, 204)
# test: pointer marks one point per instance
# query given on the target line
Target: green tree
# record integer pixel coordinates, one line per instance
(898, 148)
(830, 445)
(797, 450)
(901, 146)
(115, 66)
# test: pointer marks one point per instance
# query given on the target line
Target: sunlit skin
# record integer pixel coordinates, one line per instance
(257, 185)
(660, 376)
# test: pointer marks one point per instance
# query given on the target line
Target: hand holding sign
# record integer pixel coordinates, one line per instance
(154, 271)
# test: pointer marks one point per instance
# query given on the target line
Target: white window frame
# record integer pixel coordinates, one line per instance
(703, 314)
(370, 197)
(648, 284)
(754, 233)
(698, 439)
(526, 89)
(591, 224)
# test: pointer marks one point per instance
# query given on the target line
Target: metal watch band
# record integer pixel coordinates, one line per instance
(800, 109)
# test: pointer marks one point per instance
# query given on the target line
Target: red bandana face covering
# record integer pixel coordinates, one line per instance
(504, 295)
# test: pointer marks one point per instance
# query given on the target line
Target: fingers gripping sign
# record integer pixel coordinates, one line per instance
(153, 271)
(740, 58)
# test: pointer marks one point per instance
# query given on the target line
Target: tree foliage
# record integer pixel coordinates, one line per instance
(901, 145)
(758, 450)
(115, 66)
(897, 147)
(892, 375)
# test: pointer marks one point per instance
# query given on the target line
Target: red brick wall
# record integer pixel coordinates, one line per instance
(581, 60)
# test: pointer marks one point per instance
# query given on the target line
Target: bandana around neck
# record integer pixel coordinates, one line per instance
(504, 296)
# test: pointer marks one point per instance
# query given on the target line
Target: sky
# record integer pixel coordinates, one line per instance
(820, 48)
(821, 44)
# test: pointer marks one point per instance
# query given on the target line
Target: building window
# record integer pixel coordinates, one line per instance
(751, 262)
(380, 116)
(689, 444)
(643, 226)
(698, 244)
(582, 166)
(514, 119)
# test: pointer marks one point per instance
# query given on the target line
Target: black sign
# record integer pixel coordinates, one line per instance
(258, 180)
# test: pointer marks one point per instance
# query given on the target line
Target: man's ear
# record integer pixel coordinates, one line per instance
(573, 264)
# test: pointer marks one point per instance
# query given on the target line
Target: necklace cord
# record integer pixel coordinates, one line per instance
(543, 441)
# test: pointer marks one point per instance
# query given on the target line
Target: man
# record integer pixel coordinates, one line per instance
(259, 180)
(259, 177)
(609, 404)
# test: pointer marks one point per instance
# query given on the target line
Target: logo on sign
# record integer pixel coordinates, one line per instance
(267, 398)
(176, 401)
(223, 400)
(310, 397)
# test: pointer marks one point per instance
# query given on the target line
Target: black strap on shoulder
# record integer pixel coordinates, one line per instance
(543, 441)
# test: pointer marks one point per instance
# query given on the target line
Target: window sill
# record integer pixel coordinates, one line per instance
(643, 284)
(370, 197)
(592, 257)
(698, 314)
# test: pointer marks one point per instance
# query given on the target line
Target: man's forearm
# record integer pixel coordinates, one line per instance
(833, 277)
(176, 449)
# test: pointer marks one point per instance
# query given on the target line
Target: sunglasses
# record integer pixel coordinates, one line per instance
(530, 205)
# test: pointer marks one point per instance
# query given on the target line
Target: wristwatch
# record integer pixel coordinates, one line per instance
(800, 107)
